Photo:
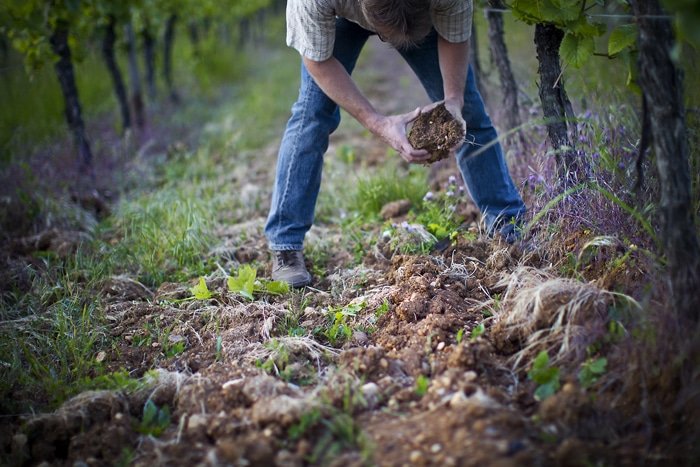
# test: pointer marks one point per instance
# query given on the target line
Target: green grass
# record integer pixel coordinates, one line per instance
(50, 335)
(390, 183)
(162, 230)
(32, 110)
(164, 236)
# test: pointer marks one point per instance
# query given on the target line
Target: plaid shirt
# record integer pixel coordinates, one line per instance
(311, 23)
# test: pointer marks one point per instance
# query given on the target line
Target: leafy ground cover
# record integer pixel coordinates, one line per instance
(151, 335)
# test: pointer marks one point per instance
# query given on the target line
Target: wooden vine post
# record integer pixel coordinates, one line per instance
(661, 85)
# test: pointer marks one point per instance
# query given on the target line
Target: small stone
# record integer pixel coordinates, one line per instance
(230, 450)
(360, 337)
(196, 422)
(435, 448)
(101, 355)
(441, 346)
(458, 399)
(415, 457)
(19, 440)
(283, 410)
(119, 416)
(384, 363)
(370, 389)
(174, 338)
(395, 209)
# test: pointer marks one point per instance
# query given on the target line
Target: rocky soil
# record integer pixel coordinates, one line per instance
(395, 360)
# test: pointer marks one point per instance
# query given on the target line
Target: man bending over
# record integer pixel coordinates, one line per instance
(433, 37)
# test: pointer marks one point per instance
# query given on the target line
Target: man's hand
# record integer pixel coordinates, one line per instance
(392, 129)
(454, 107)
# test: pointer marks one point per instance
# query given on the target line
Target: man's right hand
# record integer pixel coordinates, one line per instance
(392, 129)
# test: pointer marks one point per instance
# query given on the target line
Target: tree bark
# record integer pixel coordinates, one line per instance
(661, 85)
(109, 56)
(149, 55)
(476, 62)
(73, 112)
(499, 56)
(243, 32)
(556, 106)
(134, 76)
(193, 30)
(168, 39)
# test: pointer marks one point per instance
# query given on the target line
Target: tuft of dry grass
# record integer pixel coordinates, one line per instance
(542, 312)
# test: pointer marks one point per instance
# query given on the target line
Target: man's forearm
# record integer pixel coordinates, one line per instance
(454, 61)
(334, 80)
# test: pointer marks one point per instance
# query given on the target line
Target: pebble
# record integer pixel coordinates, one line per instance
(415, 457)
(196, 421)
(435, 448)
(360, 337)
(458, 399)
(441, 346)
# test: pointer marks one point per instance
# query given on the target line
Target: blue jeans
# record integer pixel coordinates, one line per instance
(315, 117)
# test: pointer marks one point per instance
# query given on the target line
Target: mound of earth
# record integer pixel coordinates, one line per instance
(436, 131)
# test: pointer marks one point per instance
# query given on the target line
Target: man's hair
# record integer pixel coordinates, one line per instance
(403, 23)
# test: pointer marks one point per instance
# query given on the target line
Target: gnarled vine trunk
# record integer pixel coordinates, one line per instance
(134, 76)
(499, 55)
(149, 56)
(556, 106)
(476, 62)
(108, 41)
(73, 112)
(168, 39)
(662, 88)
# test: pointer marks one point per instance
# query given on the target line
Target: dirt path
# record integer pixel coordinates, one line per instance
(400, 360)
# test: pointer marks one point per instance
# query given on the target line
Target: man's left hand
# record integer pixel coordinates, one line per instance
(454, 107)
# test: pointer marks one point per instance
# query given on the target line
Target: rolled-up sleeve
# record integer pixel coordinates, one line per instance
(311, 28)
(453, 19)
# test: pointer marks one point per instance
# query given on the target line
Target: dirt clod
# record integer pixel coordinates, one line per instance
(436, 131)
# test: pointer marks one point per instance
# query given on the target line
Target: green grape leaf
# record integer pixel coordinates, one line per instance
(477, 331)
(591, 371)
(243, 283)
(276, 287)
(622, 37)
(546, 376)
(583, 27)
(536, 11)
(576, 50)
(546, 390)
(201, 291)
(567, 10)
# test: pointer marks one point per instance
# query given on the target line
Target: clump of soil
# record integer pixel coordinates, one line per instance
(436, 131)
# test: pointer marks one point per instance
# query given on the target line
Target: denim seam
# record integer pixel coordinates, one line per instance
(295, 145)
(284, 247)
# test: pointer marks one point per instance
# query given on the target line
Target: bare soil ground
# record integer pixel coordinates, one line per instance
(433, 371)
